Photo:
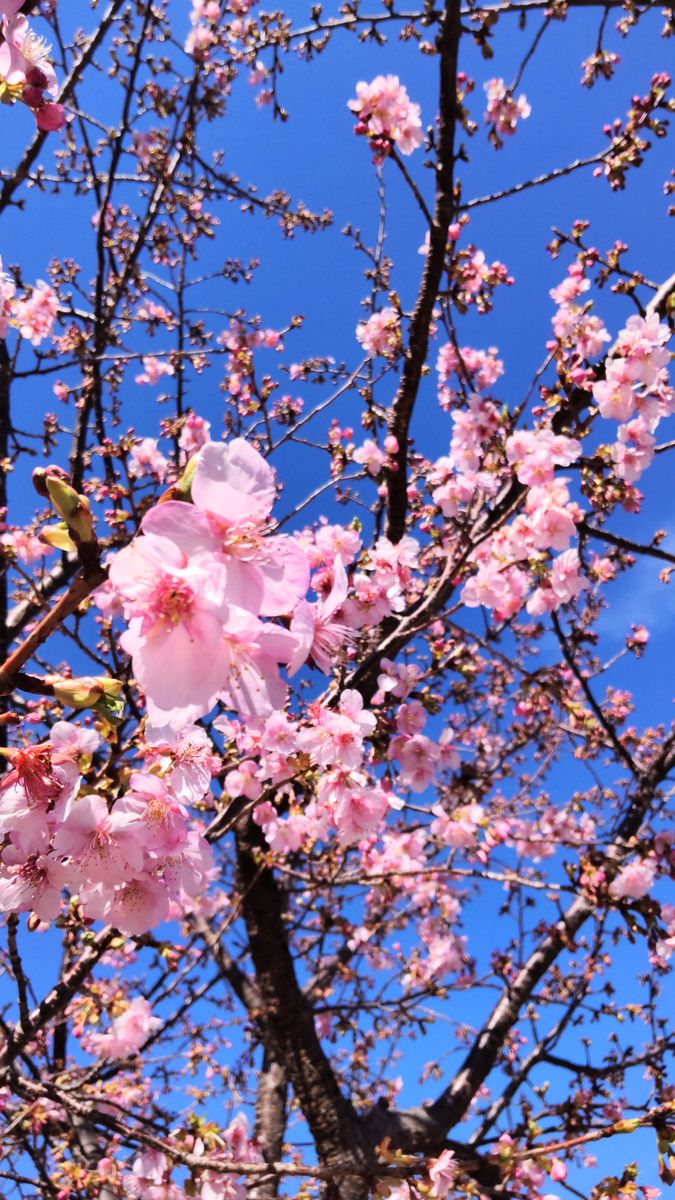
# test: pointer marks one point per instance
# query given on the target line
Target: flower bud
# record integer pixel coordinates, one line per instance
(40, 476)
(72, 508)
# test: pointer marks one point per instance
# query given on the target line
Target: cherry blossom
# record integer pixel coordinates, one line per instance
(7, 293)
(380, 334)
(36, 313)
(634, 880)
(127, 1032)
(386, 115)
(503, 110)
(154, 369)
(147, 459)
(442, 1173)
(313, 801)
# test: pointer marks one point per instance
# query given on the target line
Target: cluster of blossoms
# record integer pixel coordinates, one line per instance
(373, 458)
(628, 142)
(128, 1032)
(346, 797)
(599, 65)
(26, 546)
(472, 279)
(455, 478)
(387, 116)
(479, 369)
(636, 392)
(330, 742)
(476, 279)
(402, 855)
(380, 334)
(133, 865)
(503, 579)
(240, 344)
(635, 879)
(195, 587)
(26, 74)
(154, 369)
(150, 1177)
(33, 314)
(195, 584)
(573, 325)
(146, 458)
(503, 111)
(194, 434)
(548, 523)
(203, 34)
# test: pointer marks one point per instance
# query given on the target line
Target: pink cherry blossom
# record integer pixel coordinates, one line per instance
(360, 810)
(233, 483)
(70, 740)
(176, 609)
(336, 735)
(442, 1173)
(380, 334)
(31, 885)
(194, 434)
(386, 115)
(147, 459)
(503, 110)
(36, 313)
(634, 880)
(132, 907)
(127, 1032)
(105, 847)
(370, 456)
(26, 546)
(320, 636)
(154, 369)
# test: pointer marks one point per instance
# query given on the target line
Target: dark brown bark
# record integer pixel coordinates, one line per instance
(287, 1018)
(418, 338)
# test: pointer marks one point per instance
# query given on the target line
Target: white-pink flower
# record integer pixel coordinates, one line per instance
(127, 1032)
(320, 636)
(154, 369)
(35, 314)
(387, 115)
(176, 608)
(146, 458)
(380, 333)
(634, 880)
(442, 1173)
(503, 110)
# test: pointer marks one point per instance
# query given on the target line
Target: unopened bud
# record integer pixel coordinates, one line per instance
(72, 508)
(42, 474)
(86, 692)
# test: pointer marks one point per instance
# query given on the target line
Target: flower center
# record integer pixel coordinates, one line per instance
(172, 603)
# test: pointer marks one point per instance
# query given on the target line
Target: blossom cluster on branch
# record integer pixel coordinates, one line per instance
(335, 767)
(26, 70)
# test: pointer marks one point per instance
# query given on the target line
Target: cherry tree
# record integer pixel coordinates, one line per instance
(334, 831)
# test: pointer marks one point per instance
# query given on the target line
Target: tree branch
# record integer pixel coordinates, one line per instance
(418, 337)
